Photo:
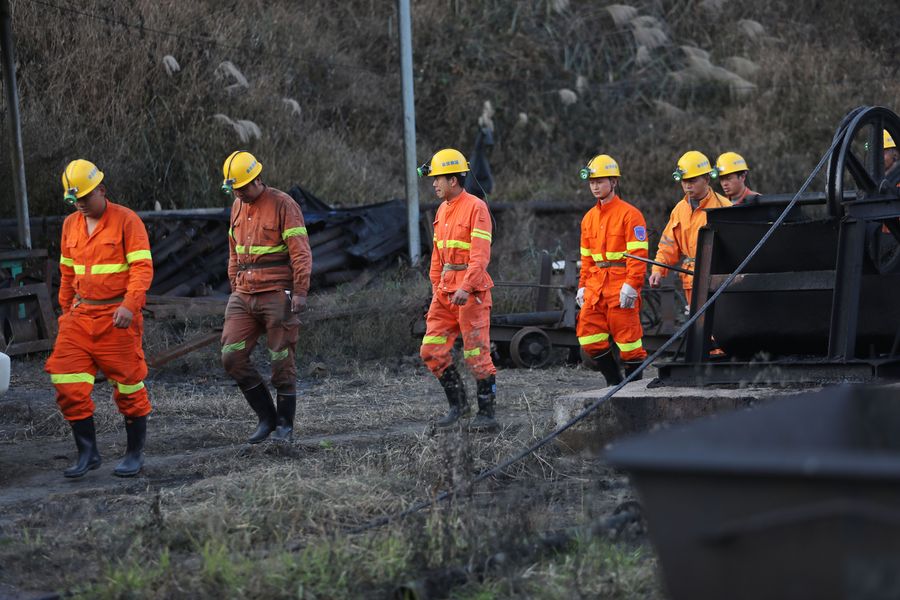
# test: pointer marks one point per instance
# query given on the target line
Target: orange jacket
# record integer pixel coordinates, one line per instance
(679, 239)
(608, 231)
(112, 261)
(268, 230)
(462, 238)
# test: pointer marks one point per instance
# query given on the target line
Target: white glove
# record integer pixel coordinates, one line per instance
(628, 296)
(579, 297)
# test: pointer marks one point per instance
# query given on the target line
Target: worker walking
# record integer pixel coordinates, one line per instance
(732, 172)
(461, 291)
(678, 243)
(269, 266)
(609, 289)
(105, 271)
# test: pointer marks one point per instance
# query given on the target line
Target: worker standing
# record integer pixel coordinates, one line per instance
(461, 291)
(891, 154)
(269, 266)
(105, 271)
(678, 243)
(609, 289)
(732, 172)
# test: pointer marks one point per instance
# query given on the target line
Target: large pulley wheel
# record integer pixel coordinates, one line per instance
(857, 165)
(530, 348)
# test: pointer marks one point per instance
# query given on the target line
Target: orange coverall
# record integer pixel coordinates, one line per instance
(98, 272)
(459, 260)
(269, 255)
(608, 231)
(678, 243)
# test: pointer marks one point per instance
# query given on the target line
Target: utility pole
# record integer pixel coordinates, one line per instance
(409, 130)
(7, 48)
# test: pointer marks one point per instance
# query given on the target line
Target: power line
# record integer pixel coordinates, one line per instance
(195, 39)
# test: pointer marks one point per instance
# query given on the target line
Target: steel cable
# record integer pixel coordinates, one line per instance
(647, 362)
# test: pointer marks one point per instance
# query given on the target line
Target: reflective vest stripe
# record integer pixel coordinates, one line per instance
(453, 244)
(434, 339)
(138, 255)
(61, 378)
(108, 269)
(292, 232)
(593, 339)
(625, 347)
(614, 255)
(260, 249)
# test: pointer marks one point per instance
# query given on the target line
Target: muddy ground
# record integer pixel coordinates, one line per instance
(213, 516)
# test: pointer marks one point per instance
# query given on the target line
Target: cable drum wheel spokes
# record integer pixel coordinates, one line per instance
(868, 175)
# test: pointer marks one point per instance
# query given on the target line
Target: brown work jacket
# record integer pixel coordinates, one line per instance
(268, 245)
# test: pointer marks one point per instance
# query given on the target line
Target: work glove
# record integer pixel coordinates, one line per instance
(628, 296)
(579, 297)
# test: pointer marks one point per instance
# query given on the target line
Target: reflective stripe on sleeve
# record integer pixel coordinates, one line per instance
(66, 261)
(293, 231)
(138, 255)
(637, 246)
(585, 252)
(481, 233)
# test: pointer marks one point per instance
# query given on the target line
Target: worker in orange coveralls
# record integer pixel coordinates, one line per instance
(105, 270)
(269, 266)
(461, 287)
(609, 289)
(678, 243)
(732, 171)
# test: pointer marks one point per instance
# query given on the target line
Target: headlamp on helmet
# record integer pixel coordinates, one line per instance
(228, 187)
(71, 196)
(585, 172)
(424, 170)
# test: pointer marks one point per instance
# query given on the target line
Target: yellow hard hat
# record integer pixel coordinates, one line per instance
(239, 169)
(731, 162)
(888, 141)
(79, 179)
(445, 162)
(693, 164)
(602, 165)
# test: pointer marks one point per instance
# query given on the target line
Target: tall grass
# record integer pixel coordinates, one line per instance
(314, 90)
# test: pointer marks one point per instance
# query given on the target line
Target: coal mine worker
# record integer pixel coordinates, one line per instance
(461, 292)
(105, 271)
(269, 266)
(732, 172)
(609, 289)
(678, 243)
(891, 154)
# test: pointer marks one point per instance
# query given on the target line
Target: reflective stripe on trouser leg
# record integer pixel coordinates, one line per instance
(72, 369)
(441, 331)
(282, 333)
(239, 335)
(625, 326)
(475, 326)
(592, 329)
(120, 355)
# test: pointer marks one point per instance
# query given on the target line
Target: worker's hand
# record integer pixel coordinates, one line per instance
(459, 297)
(298, 303)
(122, 317)
(579, 297)
(655, 279)
(628, 296)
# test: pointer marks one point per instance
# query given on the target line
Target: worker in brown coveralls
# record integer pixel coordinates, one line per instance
(269, 265)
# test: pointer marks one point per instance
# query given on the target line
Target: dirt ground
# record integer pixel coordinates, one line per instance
(213, 516)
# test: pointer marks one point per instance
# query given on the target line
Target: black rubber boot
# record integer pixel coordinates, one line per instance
(456, 398)
(631, 366)
(131, 464)
(260, 401)
(487, 393)
(284, 422)
(86, 442)
(606, 364)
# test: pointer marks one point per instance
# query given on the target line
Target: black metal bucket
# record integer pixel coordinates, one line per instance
(796, 499)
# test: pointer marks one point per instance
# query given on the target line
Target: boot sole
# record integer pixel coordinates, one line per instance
(126, 474)
(92, 467)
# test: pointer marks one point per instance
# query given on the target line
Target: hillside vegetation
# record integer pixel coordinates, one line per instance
(158, 92)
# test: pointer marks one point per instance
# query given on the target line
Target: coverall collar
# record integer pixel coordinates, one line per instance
(705, 202)
(101, 222)
(615, 198)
